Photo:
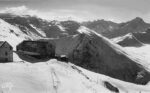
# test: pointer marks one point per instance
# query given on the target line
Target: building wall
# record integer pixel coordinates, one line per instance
(50, 50)
(41, 47)
(6, 53)
(32, 46)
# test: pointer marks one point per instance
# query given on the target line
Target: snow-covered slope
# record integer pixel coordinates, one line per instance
(58, 77)
(50, 77)
(32, 25)
(13, 34)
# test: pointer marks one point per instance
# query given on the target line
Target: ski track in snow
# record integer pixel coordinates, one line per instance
(58, 77)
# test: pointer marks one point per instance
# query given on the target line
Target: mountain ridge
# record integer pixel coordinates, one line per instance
(117, 29)
(134, 39)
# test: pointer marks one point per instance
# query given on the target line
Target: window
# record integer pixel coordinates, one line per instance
(10, 48)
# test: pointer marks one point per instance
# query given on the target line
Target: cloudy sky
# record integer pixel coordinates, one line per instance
(114, 10)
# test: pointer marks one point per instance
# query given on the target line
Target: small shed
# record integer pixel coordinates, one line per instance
(6, 52)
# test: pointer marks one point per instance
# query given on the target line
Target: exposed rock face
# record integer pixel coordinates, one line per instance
(111, 87)
(98, 54)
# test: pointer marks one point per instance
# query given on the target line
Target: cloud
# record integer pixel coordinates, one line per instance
(60, 14)
(80, 13)
(21, 10)
(64, 14)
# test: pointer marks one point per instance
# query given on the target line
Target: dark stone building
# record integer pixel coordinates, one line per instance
(37, 49)
(6, 52)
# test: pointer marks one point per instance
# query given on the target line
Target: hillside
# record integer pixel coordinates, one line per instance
(96, 53)
(128, 40)
(40, 27)
(13, 34)
(136, 39)
(18, 28)
(58, 77)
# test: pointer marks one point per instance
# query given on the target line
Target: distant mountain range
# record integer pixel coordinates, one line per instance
(110, 29)
(43, 28)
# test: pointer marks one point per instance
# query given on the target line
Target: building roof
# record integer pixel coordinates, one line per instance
(2, 43)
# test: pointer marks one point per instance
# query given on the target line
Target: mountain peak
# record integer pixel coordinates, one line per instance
(138, 19)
